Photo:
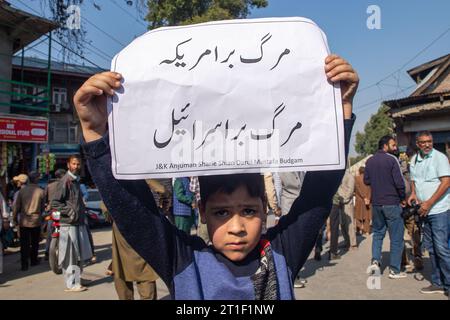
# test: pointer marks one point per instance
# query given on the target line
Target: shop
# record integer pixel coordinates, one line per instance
(20, 137)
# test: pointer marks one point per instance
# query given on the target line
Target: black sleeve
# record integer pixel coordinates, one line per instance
(133, 208)
(58, 202)
(296, 233)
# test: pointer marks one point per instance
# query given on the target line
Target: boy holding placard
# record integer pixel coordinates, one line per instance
(241, 263)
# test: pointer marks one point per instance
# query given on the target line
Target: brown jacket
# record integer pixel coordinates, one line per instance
(50, 192)
(362, 211)
(29, 206)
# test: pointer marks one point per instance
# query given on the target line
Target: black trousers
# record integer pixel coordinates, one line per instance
(29, 245)
(334, 228)
(319, 243)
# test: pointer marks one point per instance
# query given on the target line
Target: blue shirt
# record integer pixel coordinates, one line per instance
(385, 178)
(425, 172)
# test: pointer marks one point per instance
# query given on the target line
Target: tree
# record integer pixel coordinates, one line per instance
(380, 124)
(179, 12)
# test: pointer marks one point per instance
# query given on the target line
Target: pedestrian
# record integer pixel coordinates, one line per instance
(194, 187)
(129, 268)
(85, 196)
(384, 176)
(291, 185)
(241, 263)
(363, 212)
(49, 194)
(74, 244)
(182, 205)
(19, 182)
(272, 199)
(27, 213)
(430, 175)
(4, 227)
(413, 229)
(342, 214)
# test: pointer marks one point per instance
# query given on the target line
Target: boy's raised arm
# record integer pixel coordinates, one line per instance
(130, 203)
(134, 211)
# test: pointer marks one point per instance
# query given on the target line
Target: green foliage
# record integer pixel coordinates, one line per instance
(179, 12)
(380, 124)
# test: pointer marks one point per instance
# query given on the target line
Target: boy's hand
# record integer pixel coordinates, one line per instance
(90, 102)
(337, 69)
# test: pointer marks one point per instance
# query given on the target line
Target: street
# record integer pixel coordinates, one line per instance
(340, 279)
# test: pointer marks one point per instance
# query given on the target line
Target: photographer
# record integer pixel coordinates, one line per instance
(412, 225)
(430, 176)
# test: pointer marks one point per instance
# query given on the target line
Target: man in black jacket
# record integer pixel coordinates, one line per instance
(74, 245)
(384, 176)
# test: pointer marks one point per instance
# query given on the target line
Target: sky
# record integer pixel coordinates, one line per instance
(412, 32)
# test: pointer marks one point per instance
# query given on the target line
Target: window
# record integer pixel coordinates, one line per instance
(63, 132)
(59, 95)
(17, 89)
(39, 93)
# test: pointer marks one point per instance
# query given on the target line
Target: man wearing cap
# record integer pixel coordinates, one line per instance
(20, 181)
(27, 212)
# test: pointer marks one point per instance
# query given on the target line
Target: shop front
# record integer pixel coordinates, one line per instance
(19, 140)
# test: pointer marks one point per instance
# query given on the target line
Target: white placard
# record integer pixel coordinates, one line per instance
(225, 97)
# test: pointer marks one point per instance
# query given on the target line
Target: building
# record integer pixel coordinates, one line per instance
(427, 108)
(23, 109)
(64, 133)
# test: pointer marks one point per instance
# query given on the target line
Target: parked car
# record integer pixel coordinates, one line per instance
(93, 210)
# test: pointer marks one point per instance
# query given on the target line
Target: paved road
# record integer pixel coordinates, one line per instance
(341, 279)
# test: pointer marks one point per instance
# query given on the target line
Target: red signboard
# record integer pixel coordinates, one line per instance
(23, 130)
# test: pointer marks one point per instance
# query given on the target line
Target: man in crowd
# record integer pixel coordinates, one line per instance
(430, 176)
(27, 213)
(385, 178)
(363, 213)
(74, 245)
(49, 193)
(342, 213)
(182, 205)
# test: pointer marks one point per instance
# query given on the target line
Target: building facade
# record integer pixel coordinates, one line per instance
(427, 108)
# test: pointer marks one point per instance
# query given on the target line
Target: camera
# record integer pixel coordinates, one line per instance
(410, 211)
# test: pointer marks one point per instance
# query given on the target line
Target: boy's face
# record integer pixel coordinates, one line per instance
(234, 222)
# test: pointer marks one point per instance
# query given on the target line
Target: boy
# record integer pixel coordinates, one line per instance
(241, 263)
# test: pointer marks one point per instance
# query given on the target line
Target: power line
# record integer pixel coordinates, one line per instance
(62, 45)
(111, 37)
(99, 50)
(104, 32)
(408, 62)
(129, 14)
(45, 63)
(364, 106)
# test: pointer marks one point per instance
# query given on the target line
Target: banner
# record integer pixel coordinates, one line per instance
(23, 130)
(225, 97)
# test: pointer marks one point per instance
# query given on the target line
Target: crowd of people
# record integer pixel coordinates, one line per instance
(27, 216)
(371, 202)
(237, 255)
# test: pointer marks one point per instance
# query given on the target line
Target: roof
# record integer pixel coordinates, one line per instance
(417, 105)
(429, 73)
(426, 66)
(23, 27)
(432, 92)
(37, 64)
